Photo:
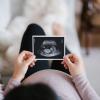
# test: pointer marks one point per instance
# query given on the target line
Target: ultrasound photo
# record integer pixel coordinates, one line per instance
(46, 48)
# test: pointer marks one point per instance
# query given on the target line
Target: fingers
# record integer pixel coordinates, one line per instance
(31, 61)
(74, 58)
(24, 55)
(65, 65)
(70, 59)
(74, 64)
(27, 58)
(67, 60)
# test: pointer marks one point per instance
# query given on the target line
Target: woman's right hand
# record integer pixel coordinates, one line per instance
(23, 61)
(74, 64)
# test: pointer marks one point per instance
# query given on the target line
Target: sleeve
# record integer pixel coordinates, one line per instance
(1, 92)
(11, 84)
(84, 88)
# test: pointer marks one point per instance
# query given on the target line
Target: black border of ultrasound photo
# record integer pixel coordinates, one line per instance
(49, 58)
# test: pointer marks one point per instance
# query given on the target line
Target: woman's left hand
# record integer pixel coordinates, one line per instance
(23, 61)
(74, 64)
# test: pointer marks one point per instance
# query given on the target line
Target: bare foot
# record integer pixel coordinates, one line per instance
(58, 29)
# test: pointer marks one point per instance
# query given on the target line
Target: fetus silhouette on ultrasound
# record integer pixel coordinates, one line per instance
(49, 48)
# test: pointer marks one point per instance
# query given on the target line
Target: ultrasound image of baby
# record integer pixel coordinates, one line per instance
(49, 49)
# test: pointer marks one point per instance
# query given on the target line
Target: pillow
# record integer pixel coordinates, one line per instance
(16, 7)
(5, 14)
(33, 8)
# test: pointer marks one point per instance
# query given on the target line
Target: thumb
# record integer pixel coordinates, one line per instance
(29, 61)
(68, 62)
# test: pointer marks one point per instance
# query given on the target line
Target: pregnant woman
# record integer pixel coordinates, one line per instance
(67, 87)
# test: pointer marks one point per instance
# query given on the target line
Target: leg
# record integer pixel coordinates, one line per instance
(56, 64)
(26, 44)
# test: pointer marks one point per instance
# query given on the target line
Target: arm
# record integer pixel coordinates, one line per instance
(11, 84)
(76, 68)
(1, 92)
(23, 61)
(84, 88)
